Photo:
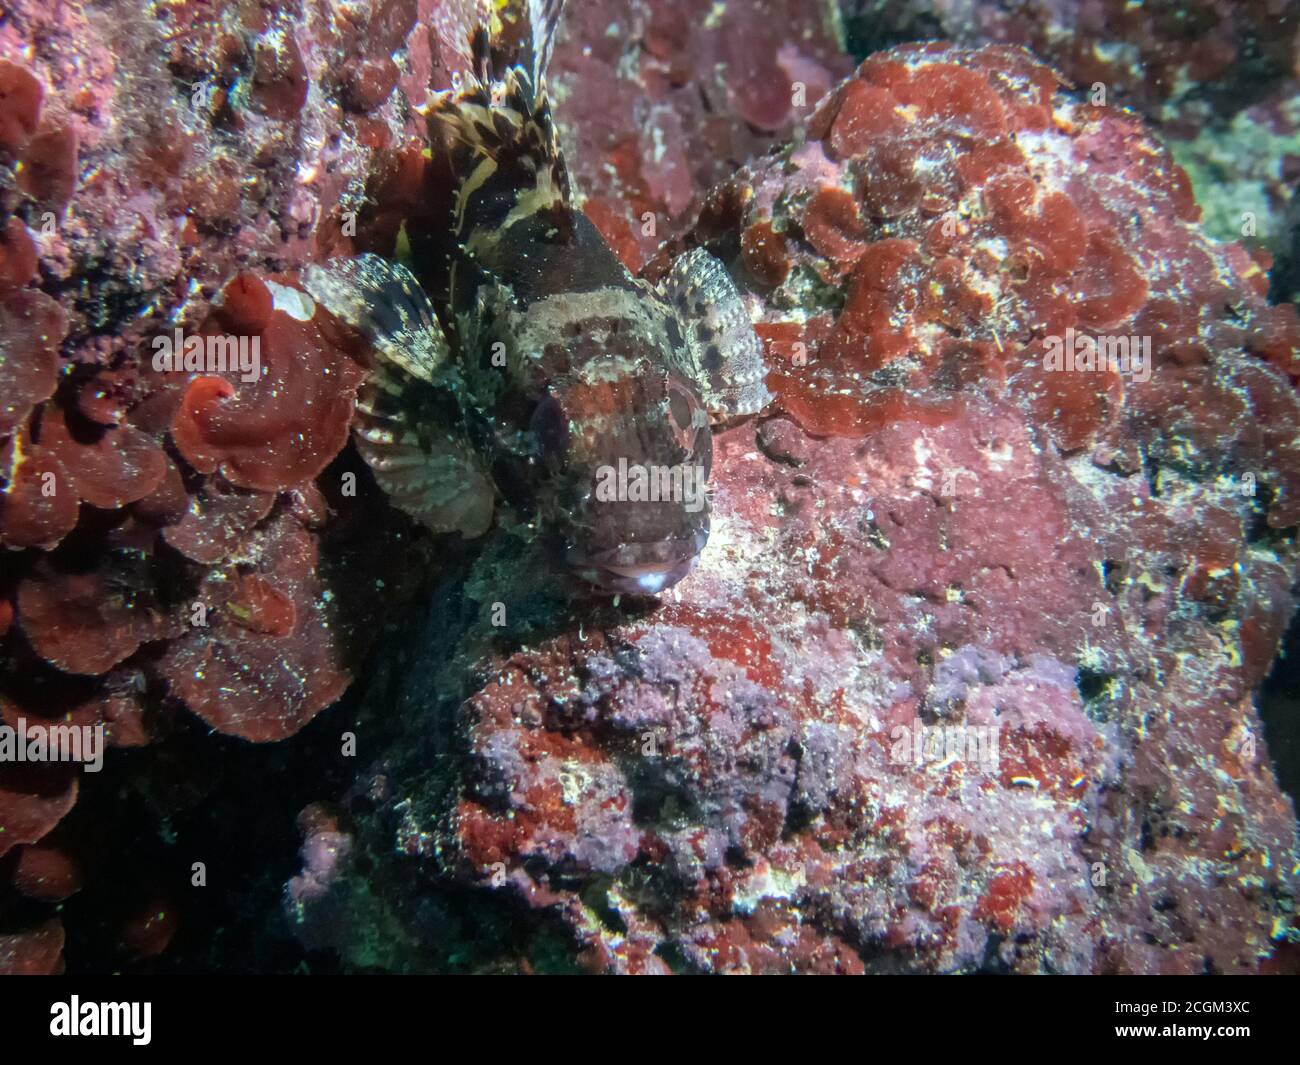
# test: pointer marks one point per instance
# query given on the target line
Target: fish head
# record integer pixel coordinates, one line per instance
(627, 449)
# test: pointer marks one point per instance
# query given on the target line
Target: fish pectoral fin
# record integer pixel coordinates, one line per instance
(383, 301)
(431, 473)
(438, 480)
(723, 355)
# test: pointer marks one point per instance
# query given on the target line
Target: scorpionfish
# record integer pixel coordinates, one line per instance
(549, 379)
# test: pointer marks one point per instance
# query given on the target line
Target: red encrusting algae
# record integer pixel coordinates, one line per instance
(941, 535)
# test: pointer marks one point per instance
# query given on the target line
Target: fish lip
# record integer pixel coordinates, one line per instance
(617, 572)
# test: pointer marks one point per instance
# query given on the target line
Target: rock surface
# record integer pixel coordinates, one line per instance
(934, 538)
(186, 549)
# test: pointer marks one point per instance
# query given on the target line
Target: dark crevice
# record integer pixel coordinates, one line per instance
(1279, 708)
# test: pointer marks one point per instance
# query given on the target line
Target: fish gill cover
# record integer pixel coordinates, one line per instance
(966, 676)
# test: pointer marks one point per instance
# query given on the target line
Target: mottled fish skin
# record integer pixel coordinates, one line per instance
(563, 366)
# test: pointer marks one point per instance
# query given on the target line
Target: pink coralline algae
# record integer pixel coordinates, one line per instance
(933, 534)
(1172, 59)
(1220, 79)
(185, 541)
(266, 664)
(660, 99)
(163, 171)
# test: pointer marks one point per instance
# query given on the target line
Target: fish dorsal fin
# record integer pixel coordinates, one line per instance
(504, 143)
(543, 22)
(491, 55)
(723, 355)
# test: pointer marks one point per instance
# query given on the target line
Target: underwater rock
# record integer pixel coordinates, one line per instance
(930, 529)
(1221, 81)
(963, 680)
(658, 100)
(147, 157)
(1176, 61)
(170, 532)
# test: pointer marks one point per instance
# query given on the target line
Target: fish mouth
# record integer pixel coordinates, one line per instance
(639, 569)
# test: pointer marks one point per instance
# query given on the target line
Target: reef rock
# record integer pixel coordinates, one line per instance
(963, 680)
(1221, 80)
(193, 545)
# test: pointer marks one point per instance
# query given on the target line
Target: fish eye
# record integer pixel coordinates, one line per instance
(682, 408)
(550, 426)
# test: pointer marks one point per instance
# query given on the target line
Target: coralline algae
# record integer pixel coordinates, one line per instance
(933, 540)
(934, 532)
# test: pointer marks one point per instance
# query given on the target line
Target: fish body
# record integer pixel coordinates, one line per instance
(566, 385)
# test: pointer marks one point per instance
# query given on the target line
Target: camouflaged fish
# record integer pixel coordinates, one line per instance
(562, 385)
